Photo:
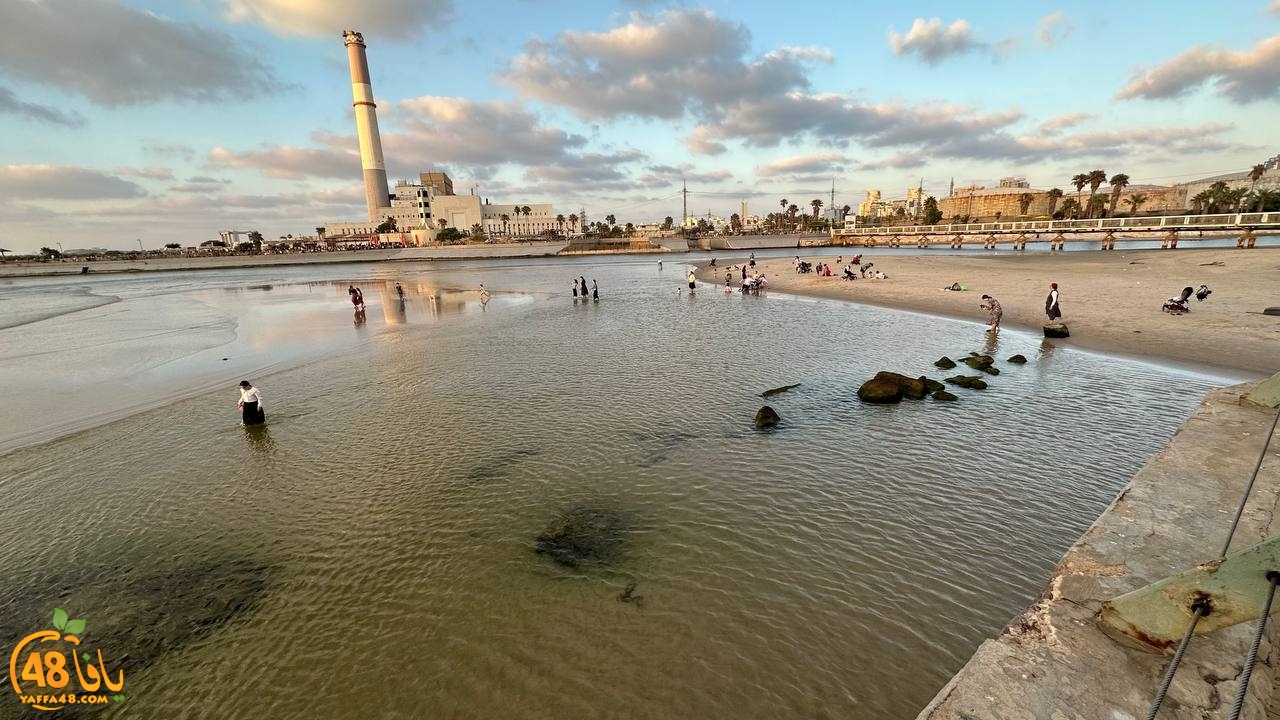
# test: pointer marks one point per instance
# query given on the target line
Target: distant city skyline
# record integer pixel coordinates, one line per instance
(166, 122)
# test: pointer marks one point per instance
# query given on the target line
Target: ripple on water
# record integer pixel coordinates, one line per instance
(842, 566)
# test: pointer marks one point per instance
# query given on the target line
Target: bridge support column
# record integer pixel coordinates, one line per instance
(922, 241)
(1020, 242)
(1246, 239)
(1109, 241)
(1170, 241)
(957, 242)
(1059, 242)
(990, 244)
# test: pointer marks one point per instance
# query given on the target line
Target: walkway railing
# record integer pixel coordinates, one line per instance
(1235, 221)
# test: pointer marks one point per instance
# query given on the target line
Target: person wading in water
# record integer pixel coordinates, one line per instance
(251, 412)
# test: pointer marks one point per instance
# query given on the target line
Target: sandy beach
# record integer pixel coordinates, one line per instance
(1110, 300)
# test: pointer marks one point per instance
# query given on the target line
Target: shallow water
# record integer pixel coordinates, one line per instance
(844, 564)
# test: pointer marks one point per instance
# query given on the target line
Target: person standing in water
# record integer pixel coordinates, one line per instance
(583, 281)
(1051, 303)
(400, 291)
(595, 290)
(575, 289)
(250, 406)
(693, 281)
(994, 312)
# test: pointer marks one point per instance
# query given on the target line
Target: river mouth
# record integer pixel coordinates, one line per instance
(845, 563)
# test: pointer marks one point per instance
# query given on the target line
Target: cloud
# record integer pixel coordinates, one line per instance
(802, 165)
(1065, 120)
(116, 56)
(667, 175)
(63, 182)
(201, 184)
(1054, 28)
(699, 142)
(898, 161)
(1274, 7)
(152, 172)
(392, 19)
(287, 161)
(456, 130)
(932, 42)
(1241, 77)
(656, 66)
(185, 152)
(9, 103)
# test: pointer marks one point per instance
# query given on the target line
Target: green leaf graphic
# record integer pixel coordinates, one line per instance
(75, 627)
(118, 698)
(59, 618)
(86, 657)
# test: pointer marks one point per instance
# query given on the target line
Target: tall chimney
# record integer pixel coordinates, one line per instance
(375, 172)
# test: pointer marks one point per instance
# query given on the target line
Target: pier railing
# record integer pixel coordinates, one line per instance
(1018, 232)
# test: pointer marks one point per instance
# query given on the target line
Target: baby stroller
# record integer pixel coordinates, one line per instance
(1202, 293)
(804, 267)
(1178, 305)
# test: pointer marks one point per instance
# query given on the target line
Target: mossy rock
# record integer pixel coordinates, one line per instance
(944, 395)
(881, 391)
(991, 370)
(912, 388)
(778, 390)
(945, 363)
(1017, 360)
(766, 417)
(973, 382)
(1056, 330)
(930, 385)
(979, 362)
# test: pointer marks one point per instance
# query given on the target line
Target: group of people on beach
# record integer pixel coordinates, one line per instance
(580, 289)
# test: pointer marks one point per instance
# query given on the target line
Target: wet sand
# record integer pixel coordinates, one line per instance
(1110, 300)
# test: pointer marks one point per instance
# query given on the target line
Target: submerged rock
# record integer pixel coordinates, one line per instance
(779, 390)
(930, 385)
(1017, 359)
(991, 370)
(1056, 330)
(973, 382)
(943, 395)
(880, 390)
(582, 534)
(945, 363)
(912, 388)
(767, 417)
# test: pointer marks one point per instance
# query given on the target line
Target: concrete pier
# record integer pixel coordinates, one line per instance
(1053, 662)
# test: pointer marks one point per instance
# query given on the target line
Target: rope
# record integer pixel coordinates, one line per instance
(1252, 658)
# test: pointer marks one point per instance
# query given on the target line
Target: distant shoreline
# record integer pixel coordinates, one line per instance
(1110, 299)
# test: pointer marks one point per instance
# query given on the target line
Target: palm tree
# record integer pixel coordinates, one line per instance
(667, 222)
(791, 212)
(5, 250)
(1233, 198)
(1080, 180)
(631, 229)
(1134, 202)
(1119, 182)
(505, 220)
(560, 221)
(735, 222)
(1054, 195)
(1096, 178)
(816, 204)
(1255, 174)
(844, 211)
(783, 204)
(443, 223)
(1267, 198)
(611, 220)
(1200, 202)
(1024, 202)
(573, 222)
(1070, 207)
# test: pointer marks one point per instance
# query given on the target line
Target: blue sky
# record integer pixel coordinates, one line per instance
(167, 121)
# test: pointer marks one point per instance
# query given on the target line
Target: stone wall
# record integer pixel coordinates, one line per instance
(1053, 662)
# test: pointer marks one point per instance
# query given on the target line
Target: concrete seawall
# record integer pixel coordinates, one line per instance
(1053, 662)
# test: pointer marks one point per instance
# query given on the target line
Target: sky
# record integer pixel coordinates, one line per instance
(127, 121)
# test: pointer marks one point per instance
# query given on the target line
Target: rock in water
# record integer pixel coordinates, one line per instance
(973, 382)
(580, 535)
(1017, 360)
(931, 386)
(777, 390)
(991, 370)
(767, 417)
(912, 388)
(979, 362)
(945, 363)
(880, 390)
(1056, 330)
(943, 395)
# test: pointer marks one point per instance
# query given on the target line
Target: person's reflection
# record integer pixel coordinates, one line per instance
(360, 318)
(1046, 348)
(401, 310)
(259, 438)
(991, 345)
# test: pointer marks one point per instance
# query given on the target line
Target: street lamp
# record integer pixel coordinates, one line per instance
(140, 249)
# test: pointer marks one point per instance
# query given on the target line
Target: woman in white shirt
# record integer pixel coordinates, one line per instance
(251, 412)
